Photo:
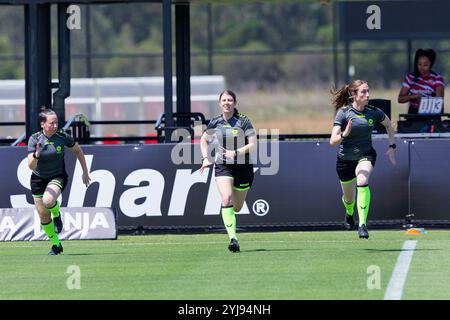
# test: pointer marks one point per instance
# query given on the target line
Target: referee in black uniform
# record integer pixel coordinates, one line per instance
(352, 131)
(49, 177)
(236, 138)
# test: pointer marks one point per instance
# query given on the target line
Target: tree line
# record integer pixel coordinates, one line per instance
(260, 45)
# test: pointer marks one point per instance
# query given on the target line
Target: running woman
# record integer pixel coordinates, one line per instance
(236, 138)
(49, 177)
(352, 131)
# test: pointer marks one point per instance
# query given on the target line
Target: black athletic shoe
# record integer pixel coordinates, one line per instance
(56, 249)
(234, 245)
(57, 221)
(349, 222)
(362, 232)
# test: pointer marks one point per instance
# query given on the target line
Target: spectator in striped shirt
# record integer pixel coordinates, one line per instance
(423, 82)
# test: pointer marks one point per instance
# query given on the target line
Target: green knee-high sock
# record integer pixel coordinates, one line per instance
(349, 207)
(49, 229)
(229, 219)
(363, 203)
(55, 209)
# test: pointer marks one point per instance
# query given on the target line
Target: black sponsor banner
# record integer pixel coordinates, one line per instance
(368, 20)
(295, 184)
(430, 179)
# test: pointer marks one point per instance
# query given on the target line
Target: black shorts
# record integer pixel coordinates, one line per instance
(38, 184)
(346, 168)
(242, 174)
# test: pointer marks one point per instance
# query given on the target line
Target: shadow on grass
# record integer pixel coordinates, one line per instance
(93, 254)
(269, 250)
(397, 250)
(67, 254)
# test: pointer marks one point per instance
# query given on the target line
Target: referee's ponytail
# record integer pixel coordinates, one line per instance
(343, 96)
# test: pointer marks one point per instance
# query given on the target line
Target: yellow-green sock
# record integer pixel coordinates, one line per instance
(349, 207)
(229, 219)
(55, 209)
(363, 202)
(49, 230)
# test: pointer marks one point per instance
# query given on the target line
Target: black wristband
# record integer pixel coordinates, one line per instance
(34, 155)
(342, 136)
(393, 146)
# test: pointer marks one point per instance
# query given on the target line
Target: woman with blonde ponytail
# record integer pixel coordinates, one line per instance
(352, 131)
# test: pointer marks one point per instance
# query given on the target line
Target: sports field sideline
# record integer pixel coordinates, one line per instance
(271, 265)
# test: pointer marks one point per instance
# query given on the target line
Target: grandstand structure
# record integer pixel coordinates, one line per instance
(38, 82)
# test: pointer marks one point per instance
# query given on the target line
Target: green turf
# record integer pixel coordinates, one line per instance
(278, 265)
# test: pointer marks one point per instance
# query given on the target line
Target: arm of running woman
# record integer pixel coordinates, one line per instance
(250, 146)
(76, 149)
(337, 136)
(204, 151)
(391, 138)
(252, 140)
(33, 157)
(34, 152)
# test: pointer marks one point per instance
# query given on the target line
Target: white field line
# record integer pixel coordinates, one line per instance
(394, 289)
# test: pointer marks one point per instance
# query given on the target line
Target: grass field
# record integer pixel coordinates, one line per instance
(272, 265)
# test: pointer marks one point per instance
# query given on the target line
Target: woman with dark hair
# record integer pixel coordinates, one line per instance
(423, 82)
(49, 177)
(233, 169)
(352, 131)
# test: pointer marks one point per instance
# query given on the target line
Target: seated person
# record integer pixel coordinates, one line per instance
(423, 82)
